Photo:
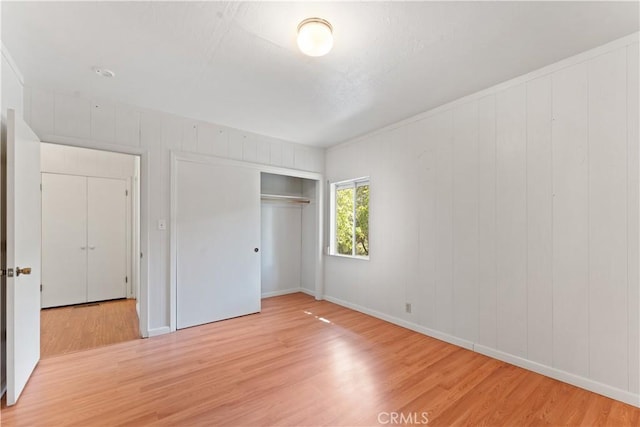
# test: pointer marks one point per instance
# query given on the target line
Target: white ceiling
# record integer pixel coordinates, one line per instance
(237, 64)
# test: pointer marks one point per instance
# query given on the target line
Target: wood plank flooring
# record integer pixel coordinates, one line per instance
(81, 327)
(299, 362)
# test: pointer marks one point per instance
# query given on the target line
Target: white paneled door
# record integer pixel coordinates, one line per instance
(218, 237)
(64, 239)
(84, 241)
(106, 239)
(22, 267)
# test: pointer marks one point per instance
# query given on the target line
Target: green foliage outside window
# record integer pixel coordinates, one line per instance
(344, 221)
(362, 220)
(348, 233)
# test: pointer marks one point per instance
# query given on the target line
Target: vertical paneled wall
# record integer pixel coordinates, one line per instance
(465, 216)
(512, 221)
(633, 217)
(487, 266)
(97, 123)
(570, 220)
(70, 160)
(539, 238)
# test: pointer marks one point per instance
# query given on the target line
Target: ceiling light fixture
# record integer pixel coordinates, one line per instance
(315, 36)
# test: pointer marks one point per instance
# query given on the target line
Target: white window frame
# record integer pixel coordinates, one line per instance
(340, 185)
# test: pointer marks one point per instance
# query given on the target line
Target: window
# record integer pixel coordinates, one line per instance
(350, 218)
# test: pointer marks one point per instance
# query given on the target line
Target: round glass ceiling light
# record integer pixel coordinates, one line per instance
(315, 37)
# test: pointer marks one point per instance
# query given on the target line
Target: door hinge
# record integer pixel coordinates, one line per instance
(41, 187)
(126, 192)
(126, 279)
(40, 287)
(2, 272)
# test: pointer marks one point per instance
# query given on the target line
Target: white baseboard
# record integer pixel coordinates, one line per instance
(560, 375)
(280, 292)
(404, 323)
(308, 292)
(158, 331)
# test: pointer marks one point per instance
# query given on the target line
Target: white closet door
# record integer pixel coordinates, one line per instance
(218, 230)
(106, 239)
(64, 239)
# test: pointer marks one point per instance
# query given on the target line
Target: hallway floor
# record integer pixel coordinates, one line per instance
(81, 327)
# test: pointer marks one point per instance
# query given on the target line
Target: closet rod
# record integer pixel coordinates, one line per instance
(290, 199)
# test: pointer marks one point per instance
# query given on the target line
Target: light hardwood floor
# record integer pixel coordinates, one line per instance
(299, 362)
(81, 327)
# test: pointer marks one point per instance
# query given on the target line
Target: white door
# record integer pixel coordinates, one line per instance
(64, 239)
(218, 235)
(22, 217)
(106, 239)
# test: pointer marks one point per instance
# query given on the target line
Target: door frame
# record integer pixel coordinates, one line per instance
(143, 238)
(179, 156)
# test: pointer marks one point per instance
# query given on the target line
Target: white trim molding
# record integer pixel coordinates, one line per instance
(159, 331)
(404, 323)
(560, 375)
(280, 292)
(309, 292)
(548, 371)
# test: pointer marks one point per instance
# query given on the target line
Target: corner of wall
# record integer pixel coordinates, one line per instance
(12, 84)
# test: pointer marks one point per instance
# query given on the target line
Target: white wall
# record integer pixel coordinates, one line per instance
(281, 185)
(11, 89)
(12, 96)
(509, 220)
(280, 250)
(64, 159)
(93, 123)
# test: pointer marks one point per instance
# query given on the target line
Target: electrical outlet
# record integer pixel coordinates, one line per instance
(407, 307)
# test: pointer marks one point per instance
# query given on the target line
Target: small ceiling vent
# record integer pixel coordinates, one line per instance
(104, 72)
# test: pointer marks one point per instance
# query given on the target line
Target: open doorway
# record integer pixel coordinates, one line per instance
(90, 245)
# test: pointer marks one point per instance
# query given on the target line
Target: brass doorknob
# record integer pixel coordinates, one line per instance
(25, 270)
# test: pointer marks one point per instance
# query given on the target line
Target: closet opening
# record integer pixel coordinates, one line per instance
(90, 289)
(289, 233)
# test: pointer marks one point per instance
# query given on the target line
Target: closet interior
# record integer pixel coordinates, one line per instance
(288, 234)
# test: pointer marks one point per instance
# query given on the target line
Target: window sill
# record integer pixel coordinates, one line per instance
(362, 258)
